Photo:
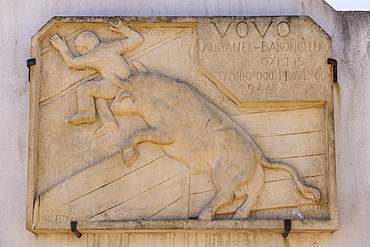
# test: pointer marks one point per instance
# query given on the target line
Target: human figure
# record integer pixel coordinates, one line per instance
(104, 57)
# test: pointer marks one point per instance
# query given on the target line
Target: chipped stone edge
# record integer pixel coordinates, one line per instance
(276, 226)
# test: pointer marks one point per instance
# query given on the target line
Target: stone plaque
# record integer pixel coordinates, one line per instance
(194, 123)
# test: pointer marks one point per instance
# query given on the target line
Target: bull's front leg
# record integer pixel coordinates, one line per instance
(159, 136)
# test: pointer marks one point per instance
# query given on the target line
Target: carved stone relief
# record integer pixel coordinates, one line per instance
(181, 123)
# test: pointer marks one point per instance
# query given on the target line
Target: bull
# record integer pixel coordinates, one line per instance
(191, 129)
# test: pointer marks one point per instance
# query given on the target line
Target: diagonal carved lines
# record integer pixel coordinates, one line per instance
(114, 180)
(310, 176)
(287, 134)
(133, 196)
(67, 38)
(220, 86)
(68, 89)
(308, 107)
(164, 208)
(95, 75)
(298, 156)
(154, 46)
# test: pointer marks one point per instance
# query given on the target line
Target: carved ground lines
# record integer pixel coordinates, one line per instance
(169, 205)
(137, 195)
(86, 198)
(114, 180)
(115, 172)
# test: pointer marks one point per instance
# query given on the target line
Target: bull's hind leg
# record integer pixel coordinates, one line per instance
(234, 167)
(227, 176)
(220, 199)
(254, 187)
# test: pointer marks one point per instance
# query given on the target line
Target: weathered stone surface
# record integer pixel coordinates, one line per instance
(122, 130)
(259, 59)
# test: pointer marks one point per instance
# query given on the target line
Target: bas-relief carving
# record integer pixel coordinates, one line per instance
(197, 158)
(194, 131)
(106, 58)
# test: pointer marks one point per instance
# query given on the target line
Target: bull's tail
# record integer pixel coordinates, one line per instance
(306, 191)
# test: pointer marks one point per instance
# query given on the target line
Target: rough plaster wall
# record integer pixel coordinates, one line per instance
(19, 20)
(352, 128)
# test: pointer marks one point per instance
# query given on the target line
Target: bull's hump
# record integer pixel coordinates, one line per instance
(183, 97)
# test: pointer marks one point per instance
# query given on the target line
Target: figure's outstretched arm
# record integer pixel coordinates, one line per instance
(133, 38)
(71, 61)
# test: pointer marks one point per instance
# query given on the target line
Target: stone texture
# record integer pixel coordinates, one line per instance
(243, 159)
(20, 20)
(253, 60)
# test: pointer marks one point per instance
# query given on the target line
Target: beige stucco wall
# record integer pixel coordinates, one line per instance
(19, 20)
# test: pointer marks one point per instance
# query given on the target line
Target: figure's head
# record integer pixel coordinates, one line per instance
(85, 42)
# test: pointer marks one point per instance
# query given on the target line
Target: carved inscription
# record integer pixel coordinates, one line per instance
(267, 59)
(56, 215)
(242, 27)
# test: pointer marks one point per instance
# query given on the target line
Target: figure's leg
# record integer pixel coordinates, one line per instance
(85, 106)
(108, 121)
(254, 187)
(104, 90)
(101, 90)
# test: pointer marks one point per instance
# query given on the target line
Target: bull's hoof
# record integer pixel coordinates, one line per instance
(205, 216)
(241, 215)
(129, 156)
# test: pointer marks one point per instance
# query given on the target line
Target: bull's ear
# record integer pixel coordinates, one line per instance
(128, 94)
